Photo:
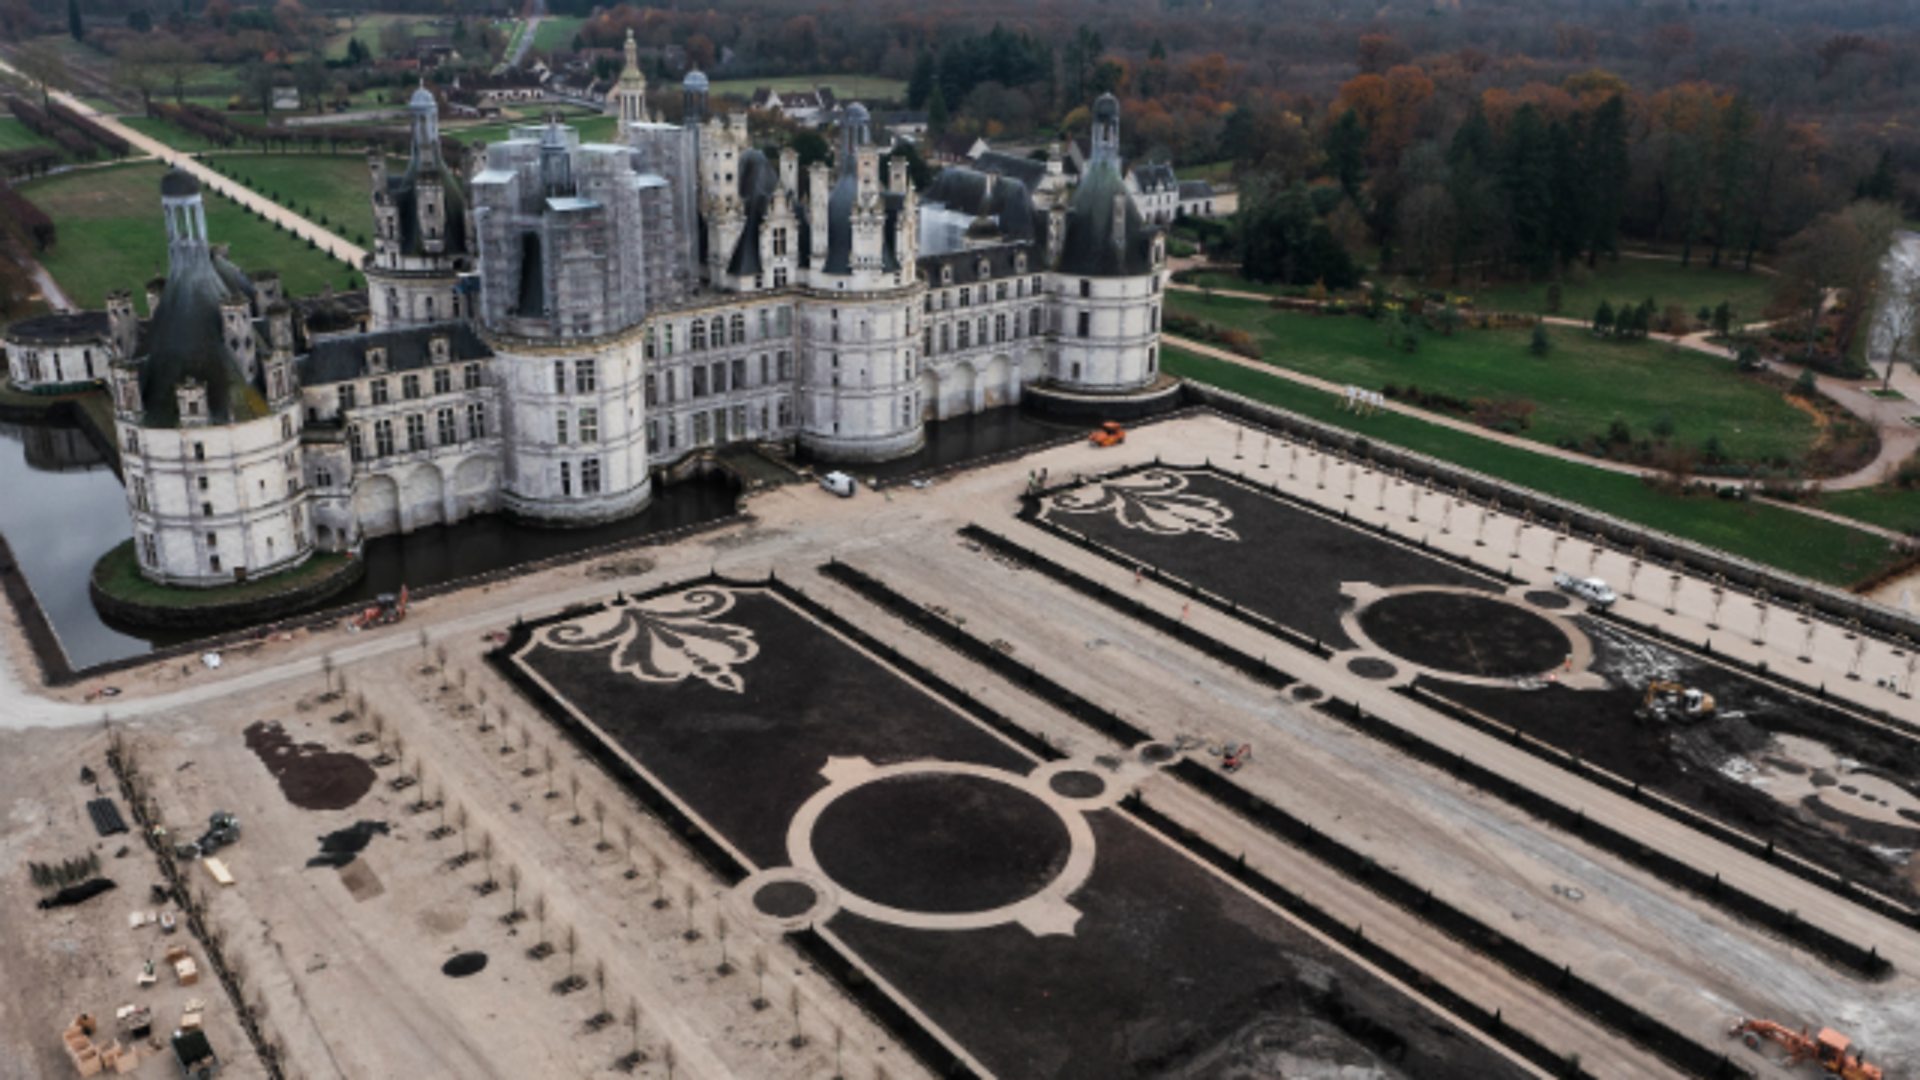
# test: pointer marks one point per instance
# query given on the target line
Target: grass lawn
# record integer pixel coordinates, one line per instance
(118, 574)
(556, 33)
(1793, 542)
(15, 135)
(1227, 279)
(866, 88)
(335, 186)
(367, 28)
(1887, 506)
(1633, 280)
(1211, 171)
(1579, 388)
(111, 236)
(179, 138)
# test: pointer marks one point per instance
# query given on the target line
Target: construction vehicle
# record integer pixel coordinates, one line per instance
(1108, 434)
(1830, 1049)
(222, 829)
(387, 608)
(1669, 700)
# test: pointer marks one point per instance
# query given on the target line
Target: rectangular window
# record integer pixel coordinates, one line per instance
(559, 376)
(764, 364)
(589, 425)
(737, 328)
(1000, 291)
(966, 329)
(322, 478)
(720, 378)
(566, 478)
(1033, 322)
(132, 441)
(697, 336)
(140, 493)
(1000, 327)
(357, 443)
(700, 381)
(966, 297)
(416, 431)
(409, 387)
(586, 376)
(1086, 323)
(150, 549)
(786, 366)
(471, 376)
(560, 427)
(779, 277)
(590, 476)
(380, 391)
(213, 563)
(382, 438)
(199, 451)
(1086, 287)
(344, 396)
(448, 433)
(946, 337)
(786, 412)
(476, 420)
(200, 482)
(739, 373)
(653, 391)
(653, 436)
(442, 381)
(206, 509)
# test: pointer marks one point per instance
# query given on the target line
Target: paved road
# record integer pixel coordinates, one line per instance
(328, 241)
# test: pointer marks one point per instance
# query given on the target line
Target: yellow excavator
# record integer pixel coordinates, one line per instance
(1669, 700)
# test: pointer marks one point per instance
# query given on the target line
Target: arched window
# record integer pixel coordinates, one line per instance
(697, 336)
(719, 331)
(739, 328)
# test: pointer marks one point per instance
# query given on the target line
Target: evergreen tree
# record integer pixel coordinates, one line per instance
(1541, 344)
(1732, 165)
(1603, 319)
(936, 111)
(1605, 170)
(1568, 219)
(1346, 149)
(1881, 184)
(920, 84)
(1526, 175)
(74, 25)
(1472, 187)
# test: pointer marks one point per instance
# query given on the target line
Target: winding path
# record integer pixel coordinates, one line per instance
(1899, 440)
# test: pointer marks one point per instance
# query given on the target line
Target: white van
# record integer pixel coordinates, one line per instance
(1593, 590)
(839, 483)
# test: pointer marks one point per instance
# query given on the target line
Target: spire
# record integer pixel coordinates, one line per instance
(186, 219)
(628, 99)
(693, 93)
(1106, 130)
(633, 52)
(424, 113)
(853, 136)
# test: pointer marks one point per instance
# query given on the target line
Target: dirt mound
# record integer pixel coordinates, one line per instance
(311, 776)
(339, 848)
(77, 894)
(465, 964)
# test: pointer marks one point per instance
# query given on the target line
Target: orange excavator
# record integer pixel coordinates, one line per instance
(1832, 1050)
(386, 608)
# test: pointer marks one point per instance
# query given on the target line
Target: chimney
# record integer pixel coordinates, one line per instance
(236, 326)
(789, 170)
(1056, 233)
(280, 329)
(819, 190)
(122, 327)
(897, 175)
(377, 167)
(155, 286)
(191, 396)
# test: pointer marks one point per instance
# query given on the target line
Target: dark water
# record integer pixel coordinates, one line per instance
(61, 508)
(966, 438)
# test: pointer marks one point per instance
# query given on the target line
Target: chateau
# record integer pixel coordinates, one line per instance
(550, 333)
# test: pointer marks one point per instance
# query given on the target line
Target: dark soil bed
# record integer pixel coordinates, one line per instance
(311, 776)
(1468, 635)
(465, 964)
(339, 848)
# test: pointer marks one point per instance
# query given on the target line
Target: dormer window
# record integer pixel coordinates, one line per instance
(377, 358)
(438, 349)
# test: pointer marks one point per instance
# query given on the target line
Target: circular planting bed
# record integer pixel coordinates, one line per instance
(1156, 753)
(465, 964)
(1465, 633)
(1549, 599)
(1077, 784)
(785, 899)
(940, 843)
(1303, 692)
(1372, 667)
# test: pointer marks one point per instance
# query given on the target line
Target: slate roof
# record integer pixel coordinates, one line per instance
(60, 328)
(999, 260)
(1155, 177)
(186, 341)
(1195, 189)
(1090, 249)
(345, 358)
(1024, 169)
(757, 181)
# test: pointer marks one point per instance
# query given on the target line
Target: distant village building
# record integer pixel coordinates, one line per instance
(809, 108)
(1196, 199)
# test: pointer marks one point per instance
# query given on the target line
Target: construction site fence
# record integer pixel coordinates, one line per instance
(1560, 980)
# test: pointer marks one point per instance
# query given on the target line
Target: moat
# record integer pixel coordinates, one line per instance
(64, 507)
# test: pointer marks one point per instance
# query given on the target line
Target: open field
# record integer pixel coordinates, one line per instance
(14, 135)
(1887, 506)
(1632, 280)
(368, 27)
(556, 33)
(330, 189)
(1793, 542)
(866, 88)
(112, 237)
(1578, 389)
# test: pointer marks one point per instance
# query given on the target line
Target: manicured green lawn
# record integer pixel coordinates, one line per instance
(1578, 389)
(556, 33)
(867, 88)
(15, 135)
(1232, 282)
(178, 138)
(367, 28)
(335, 186)
(1887, 506)
(111, 236)
(1791, 541)
(1631, 280)
(118, 574)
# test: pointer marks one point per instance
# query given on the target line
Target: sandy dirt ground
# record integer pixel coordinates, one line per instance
(345, 966)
